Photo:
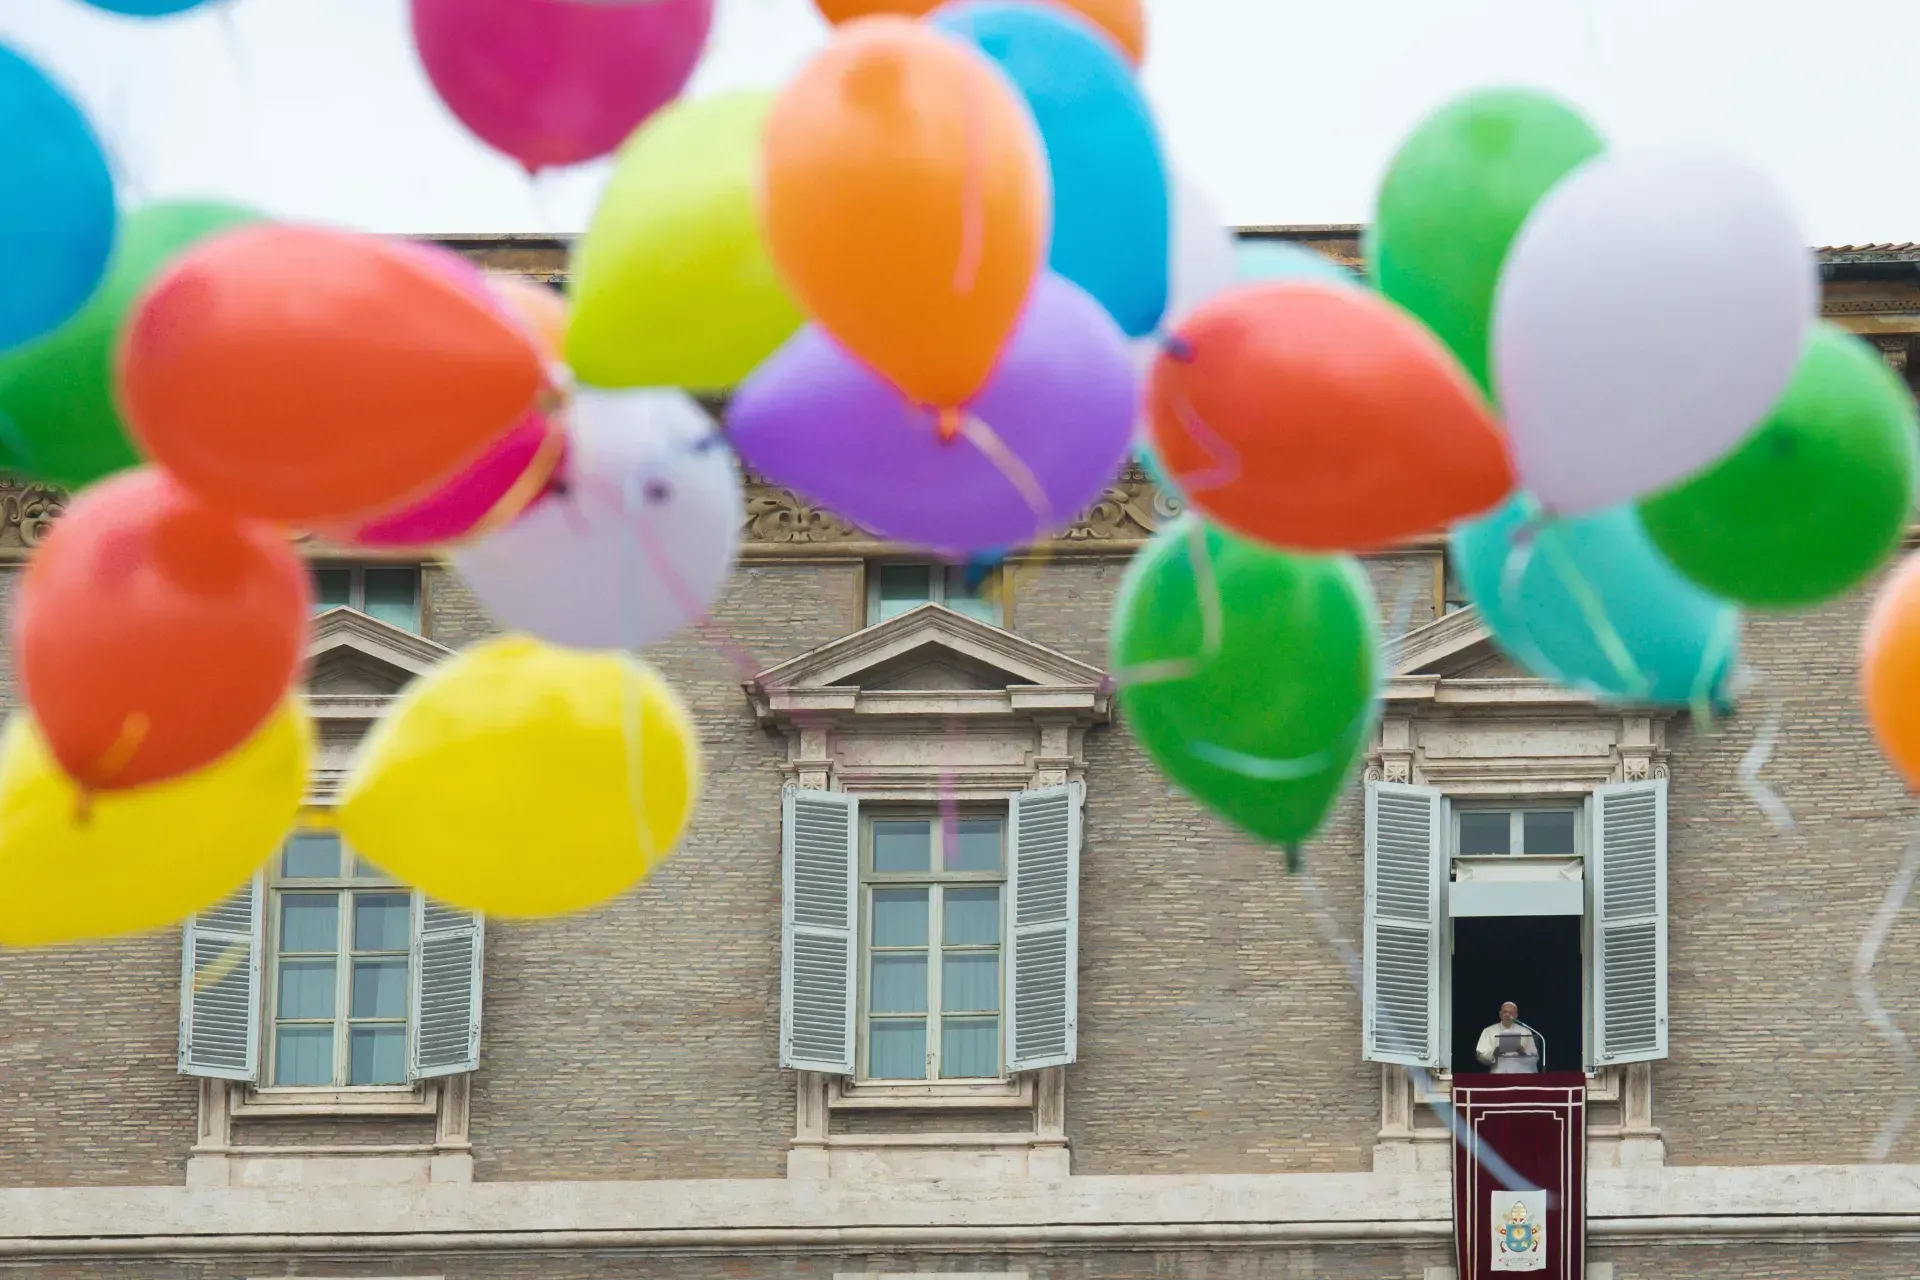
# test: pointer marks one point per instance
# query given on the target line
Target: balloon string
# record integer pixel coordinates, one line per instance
(1212, 622)
(1759, 752)
(1223, 458)
(133, 733)
(973, 214)
(1867, 996)
(1707, 678)
(1595, 610)
(1016, 472)
(534, 481)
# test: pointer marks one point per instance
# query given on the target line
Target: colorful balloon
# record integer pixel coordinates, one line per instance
(1649, 314)
(633, 543)
(61, 423)
(1322, 418)
(521, 779)
(1202, 263)
(1110, 189)
(155, 633)
(540, 309)
(1047, 434)
(553, 82)
(904, 196)
(672, 285)
(58, 217)
(1267, 261)
(146, 8)
(1890, 669)
(1589, 603)
(1814, 501)
(310, 376)
(75, 867)
(1124, 21)
(1454, 198)
(1248, 674)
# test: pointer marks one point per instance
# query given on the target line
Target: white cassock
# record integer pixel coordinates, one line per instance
(1528, 1061)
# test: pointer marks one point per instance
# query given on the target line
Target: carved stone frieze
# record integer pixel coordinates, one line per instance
(27, 510)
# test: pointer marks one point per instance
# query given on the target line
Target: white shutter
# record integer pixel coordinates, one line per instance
(1043, 953)
(220, 989)
(1629, 875)
(820, 854)
(444, 1012)
(1406, 866)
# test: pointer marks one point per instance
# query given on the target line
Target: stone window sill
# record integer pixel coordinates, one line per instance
(846, 1094)
(272, 1104)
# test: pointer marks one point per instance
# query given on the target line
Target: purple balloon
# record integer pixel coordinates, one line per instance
(1048, 433)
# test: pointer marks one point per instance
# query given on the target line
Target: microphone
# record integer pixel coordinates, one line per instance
(1543, 1044)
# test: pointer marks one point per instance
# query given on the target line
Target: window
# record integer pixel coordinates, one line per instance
(1467, 901)
(341, 940)
(390, 593)
(893, 588)
(931, 923)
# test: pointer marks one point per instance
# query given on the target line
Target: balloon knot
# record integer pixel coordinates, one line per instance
(1177, 348)
(949, 423)
(1293, 859)
(83, 807)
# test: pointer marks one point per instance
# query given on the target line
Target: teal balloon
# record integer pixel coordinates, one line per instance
(1264, 261)
(1589, 603)
(1155, 469)
(1264, 720)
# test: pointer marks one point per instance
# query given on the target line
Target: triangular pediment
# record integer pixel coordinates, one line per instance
(1456, 645)
(931, 648)
(351, 653)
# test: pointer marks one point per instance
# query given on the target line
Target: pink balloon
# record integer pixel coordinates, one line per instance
(488, 495)
(557, 82)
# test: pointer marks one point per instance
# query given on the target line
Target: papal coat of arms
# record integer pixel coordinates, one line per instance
(1519, 1230)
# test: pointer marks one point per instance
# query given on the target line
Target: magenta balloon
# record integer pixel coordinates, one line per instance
(1058, 417)
(556, 82)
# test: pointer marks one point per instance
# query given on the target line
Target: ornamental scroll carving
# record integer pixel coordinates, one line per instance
(27, 510)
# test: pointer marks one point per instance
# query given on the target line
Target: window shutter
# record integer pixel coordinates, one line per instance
(820, 856)
(220, 989)
(1406, 865)
(1629, 873)
(445, 1009)
(1043, 958)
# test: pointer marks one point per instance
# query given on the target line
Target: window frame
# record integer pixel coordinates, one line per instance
(936, 882)
(357, 588)
(274, 889)
(992, 588)
(1517, 807)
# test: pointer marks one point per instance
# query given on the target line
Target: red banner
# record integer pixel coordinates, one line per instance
(1520, 1175)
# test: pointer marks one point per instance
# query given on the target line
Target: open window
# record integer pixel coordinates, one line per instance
(896, 586)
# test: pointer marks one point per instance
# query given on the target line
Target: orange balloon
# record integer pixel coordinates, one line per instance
(905, 197)
(1890, 669)
(304, 376)
(154, 632)
(1318, 417)
(1124, 20)
(538, 307)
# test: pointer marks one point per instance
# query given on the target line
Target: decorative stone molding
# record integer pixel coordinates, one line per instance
(218, 1160)
(26, 512)
(356, 665)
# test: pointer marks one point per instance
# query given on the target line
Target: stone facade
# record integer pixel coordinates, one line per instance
(629, 1117)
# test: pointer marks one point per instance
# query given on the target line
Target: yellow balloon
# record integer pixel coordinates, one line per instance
(506, 780)
(76, 867)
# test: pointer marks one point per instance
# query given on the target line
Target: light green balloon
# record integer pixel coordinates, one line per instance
(672, 284)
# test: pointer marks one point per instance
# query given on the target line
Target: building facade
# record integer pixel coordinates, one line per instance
(947, 980)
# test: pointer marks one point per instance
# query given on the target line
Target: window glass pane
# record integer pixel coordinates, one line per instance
(903, 587)
(970, 981)
(379, 989)
(377, 1055)
(978, 600)
(969, 1048)
(1486, 831)
(303, 1055)
(311, 853)
(899, 982)
(899, 917)
(393, 596)
(364, 870)
(332, 588)
(1548, 831)
(978, 841)
(897, 1049)
(380, 921)
(972, 917)
(306, 989)
(310, 922)
(902, 844)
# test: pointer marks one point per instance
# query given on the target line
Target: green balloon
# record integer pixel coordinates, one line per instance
(1264, 725)
(58, 419)
(1815, 500)
(1455, 197)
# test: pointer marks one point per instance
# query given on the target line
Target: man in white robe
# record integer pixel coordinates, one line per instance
(1509, 1046)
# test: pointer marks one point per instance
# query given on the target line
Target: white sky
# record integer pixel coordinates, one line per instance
(1286, 110)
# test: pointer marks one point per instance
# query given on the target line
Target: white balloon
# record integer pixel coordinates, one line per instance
(1649, 314)
(1201, 263)
(638, 542)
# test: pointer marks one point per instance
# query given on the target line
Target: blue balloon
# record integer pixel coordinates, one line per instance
(56, 215)
(1259, 261)
(1590, 603)
(146, 8)
(1111, 204)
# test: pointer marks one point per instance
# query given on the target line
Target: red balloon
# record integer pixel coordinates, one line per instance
(154, 632)
(317, 376)
(1318, 417)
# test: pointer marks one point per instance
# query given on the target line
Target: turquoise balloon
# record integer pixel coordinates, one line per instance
(1263, 261)
(146, 8)
(1589, 603)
